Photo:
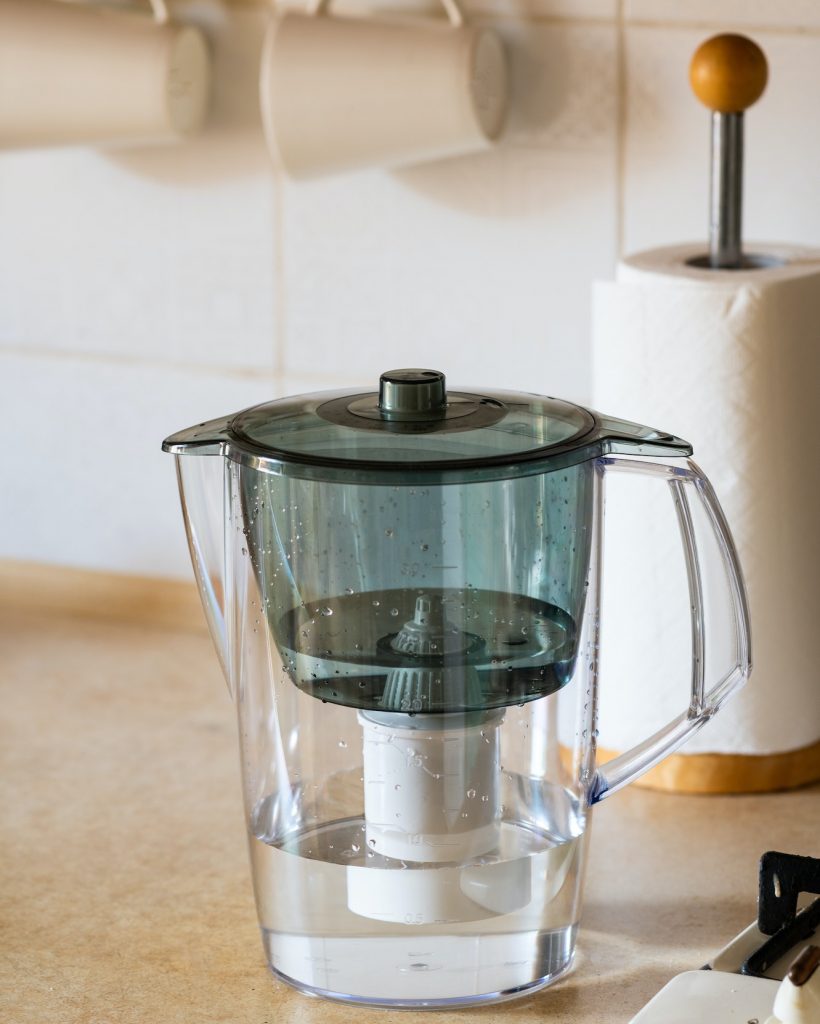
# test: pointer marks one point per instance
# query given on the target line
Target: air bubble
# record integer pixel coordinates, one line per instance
(470, 794)
(325, 611)
(342, 744)
(394, 612)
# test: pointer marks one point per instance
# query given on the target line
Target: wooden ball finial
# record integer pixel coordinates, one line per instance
(728, 73)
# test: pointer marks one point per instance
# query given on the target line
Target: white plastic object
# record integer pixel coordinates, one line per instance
(447, 895)
(798, 1003)
(710, 996)
(341, 93)
(417, 771)
(80, 74)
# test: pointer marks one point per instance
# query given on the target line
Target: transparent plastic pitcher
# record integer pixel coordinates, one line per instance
(403, 588)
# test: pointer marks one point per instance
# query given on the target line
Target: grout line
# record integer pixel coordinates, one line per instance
(275, 376)
(534, 16)
(477, 10)
(620, 131)
(280, 339)
(723, 25)
(116, 359)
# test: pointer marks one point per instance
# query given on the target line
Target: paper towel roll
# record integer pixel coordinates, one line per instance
(730, 360)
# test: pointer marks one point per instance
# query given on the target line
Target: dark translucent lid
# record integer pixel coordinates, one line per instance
(414, 425)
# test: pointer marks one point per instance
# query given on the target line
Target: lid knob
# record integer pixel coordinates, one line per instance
(416, 394)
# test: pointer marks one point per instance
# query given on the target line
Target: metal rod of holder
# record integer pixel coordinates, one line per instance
(726, 191)
(728, 74)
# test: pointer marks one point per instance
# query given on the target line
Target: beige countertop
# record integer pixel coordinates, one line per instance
(126, 893)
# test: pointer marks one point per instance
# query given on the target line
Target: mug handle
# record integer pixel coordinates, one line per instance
(455, 15)
(703, 704)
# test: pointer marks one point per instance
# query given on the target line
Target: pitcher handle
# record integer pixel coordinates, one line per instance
(703, 703)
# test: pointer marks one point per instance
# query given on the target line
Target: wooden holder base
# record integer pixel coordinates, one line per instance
(731, 773)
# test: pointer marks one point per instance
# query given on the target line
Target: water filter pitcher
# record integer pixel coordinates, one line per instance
(403, 589)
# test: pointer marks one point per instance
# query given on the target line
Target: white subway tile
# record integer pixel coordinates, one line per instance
(86, 481)
(728, 15)
(161, 253)
(480, 265)
(667, 143)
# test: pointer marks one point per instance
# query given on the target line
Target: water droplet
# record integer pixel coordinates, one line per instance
(342, 744)
(354, 847)
(376, 604)
(394, 612)
(388, 533)
(371, 842)
(325, 611)
(485, 799)
(349, 590)
(470, 794)
(397, 787)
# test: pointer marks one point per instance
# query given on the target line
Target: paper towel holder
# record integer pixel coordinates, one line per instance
(83, 73)
(728, 74)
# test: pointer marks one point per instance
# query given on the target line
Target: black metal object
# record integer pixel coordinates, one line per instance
(783, 876)
(802, 927)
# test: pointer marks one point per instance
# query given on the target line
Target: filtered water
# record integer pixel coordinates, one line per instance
(340, 920)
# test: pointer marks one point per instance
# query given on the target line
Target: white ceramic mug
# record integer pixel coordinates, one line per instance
(340, 93)
(77, 74)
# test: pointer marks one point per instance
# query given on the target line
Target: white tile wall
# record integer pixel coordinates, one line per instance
(85, 480)
(483, 262)
(144, 290)
(164, 254)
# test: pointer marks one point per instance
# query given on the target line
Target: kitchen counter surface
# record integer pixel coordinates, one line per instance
(127, 896)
